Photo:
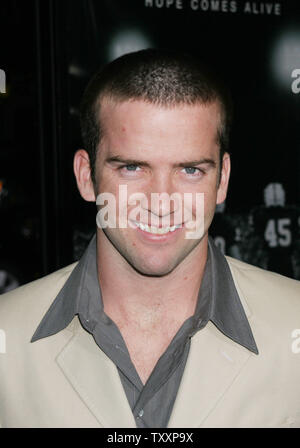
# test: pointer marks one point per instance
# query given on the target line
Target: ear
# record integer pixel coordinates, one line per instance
(225, 174)
(82, 171)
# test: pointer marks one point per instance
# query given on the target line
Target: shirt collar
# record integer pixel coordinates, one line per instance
(218, 300)
(227, 311)
(75, 297)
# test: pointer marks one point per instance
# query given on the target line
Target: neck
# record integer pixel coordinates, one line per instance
(129, 296)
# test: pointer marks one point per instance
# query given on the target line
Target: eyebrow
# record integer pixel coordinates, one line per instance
(188, 163)
(118, 159)
(204, 161)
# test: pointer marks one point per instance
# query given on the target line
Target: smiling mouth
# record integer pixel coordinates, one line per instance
(156, 230)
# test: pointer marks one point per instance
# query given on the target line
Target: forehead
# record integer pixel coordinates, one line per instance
(139, 126)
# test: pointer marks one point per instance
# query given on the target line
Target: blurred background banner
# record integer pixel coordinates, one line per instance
(49, 50)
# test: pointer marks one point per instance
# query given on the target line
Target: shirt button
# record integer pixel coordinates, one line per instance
(141, 413)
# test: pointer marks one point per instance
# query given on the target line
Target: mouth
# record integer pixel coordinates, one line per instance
(156, 230)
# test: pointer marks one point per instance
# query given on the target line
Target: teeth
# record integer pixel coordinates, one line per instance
(156, 230)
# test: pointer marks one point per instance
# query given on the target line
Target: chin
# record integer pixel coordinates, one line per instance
(153, 272)
(153, 268)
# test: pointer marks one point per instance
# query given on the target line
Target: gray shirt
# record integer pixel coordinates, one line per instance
(152, 403)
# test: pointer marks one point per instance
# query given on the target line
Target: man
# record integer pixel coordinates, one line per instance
(153, 327)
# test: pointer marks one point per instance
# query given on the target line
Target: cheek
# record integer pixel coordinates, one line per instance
(205, 201)
(108, 184)
(210, 201)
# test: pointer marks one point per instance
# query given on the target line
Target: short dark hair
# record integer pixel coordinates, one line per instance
(162, 77)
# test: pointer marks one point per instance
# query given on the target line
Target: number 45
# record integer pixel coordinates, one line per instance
(277, 232)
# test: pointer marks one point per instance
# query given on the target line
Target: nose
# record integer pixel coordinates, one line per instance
(162, 200)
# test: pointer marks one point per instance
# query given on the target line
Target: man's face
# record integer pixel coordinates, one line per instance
(151, 149)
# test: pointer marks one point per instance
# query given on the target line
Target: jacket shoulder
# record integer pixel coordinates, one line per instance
(34, 298)
(263, 289)
(250, 270)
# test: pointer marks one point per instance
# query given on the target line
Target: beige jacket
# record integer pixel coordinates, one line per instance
(66, 381)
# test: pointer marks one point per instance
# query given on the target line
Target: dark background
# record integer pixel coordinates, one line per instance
(50, 48)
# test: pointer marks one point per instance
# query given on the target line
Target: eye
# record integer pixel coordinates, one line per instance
(193, 171)
(130, 170)
(131, 167)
